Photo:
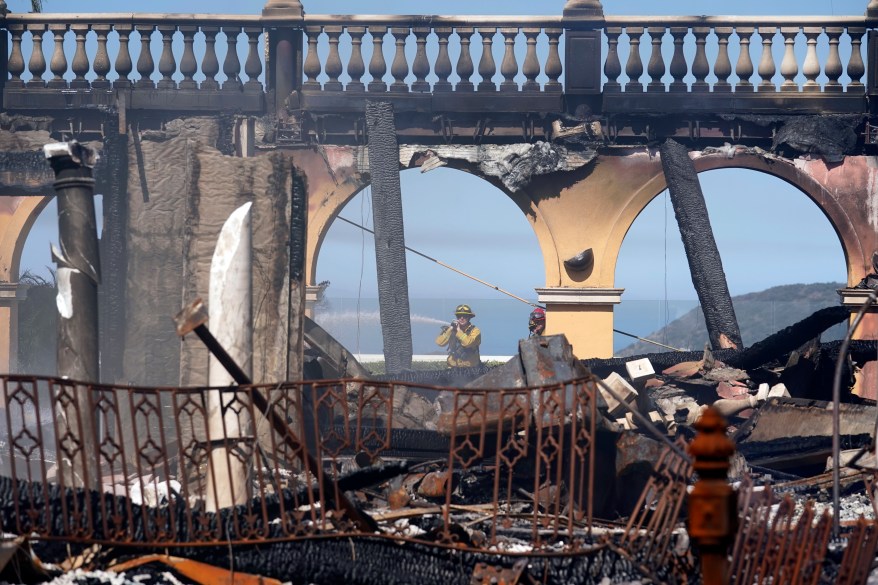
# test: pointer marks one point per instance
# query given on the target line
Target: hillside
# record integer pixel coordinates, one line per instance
(759, 315)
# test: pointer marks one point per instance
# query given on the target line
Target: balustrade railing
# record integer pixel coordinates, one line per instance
(810, 54)
(438, 54)
(144, 51)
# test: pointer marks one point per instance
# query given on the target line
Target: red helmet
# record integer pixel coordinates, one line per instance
(538, 314)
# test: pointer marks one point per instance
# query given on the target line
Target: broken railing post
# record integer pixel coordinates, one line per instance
(78, 275)
(192, 319)
(705, 263)
(712, 503)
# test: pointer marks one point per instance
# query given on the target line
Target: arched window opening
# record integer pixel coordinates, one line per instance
(781, 256)
(457, 219)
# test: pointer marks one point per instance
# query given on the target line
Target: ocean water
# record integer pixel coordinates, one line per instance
(503, 322)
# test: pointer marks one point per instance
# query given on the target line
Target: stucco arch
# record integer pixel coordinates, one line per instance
(17, 216)
(14, 229)
(839, 215)
(333, 197)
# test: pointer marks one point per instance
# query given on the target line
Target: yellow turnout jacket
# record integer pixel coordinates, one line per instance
(463, 346)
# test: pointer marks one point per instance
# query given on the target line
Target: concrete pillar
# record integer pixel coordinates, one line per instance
(584, 315)
(872, 8)
(78, 276)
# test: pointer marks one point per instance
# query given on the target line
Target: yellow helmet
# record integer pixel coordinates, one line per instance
(464, 310)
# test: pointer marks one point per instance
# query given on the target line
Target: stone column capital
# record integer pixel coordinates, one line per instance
(577, 8)
(283, 9)
(872, 8)
(579, 296)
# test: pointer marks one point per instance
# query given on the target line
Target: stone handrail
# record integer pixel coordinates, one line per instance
(27, 67)
(420, 54)
(771, 32)
(455, 53)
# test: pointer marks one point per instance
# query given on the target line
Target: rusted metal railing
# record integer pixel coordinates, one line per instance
(776, 542)
(146, 481)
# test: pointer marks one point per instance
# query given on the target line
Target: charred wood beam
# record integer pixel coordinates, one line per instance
(393, 296)
(112, 183)
(789, 338)
(705, 263)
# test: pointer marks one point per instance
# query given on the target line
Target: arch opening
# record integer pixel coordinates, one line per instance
(771, 236)
(452, 217)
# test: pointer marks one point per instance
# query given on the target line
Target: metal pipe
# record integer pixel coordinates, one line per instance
(836, 402)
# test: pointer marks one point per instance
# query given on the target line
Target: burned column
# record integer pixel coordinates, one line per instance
(705, 263)
(78, 276)
(393, 295)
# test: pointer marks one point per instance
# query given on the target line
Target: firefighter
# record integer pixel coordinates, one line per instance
(462, 338)
(536, 324)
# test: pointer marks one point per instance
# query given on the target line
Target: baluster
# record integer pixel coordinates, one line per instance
(613, 67)
(744, 66)
(101, 63)
(80, 58)
(487, 66)
(553, 61)
(766, 63)
(15, 64)
(123, 65)
(333, 60)
(356, 66)
(634, 67)
(377, 64)
(58, 63)
(656, 66)
(723, 66)
(231, 64)
(509, 65)
(678, 68)
(188, 64)
(253, 65)
(833, 67)
(811, 67)
(145, 63)
(399, 69)
(421, 65)
(210, 63)
(37, 63)
(700, 66)
(465, 68)
(167, 63)
(789, 67)
(531, 67)
(856, 68)
(443, 60)
(311, 68)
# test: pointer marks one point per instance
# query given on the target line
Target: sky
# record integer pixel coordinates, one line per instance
(768, 232)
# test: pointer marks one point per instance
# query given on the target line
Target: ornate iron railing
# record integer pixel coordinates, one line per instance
(147, 466)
